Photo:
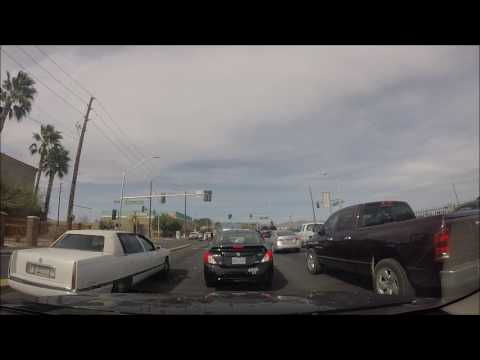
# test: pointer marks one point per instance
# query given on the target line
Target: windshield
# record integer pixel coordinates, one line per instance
(240, 172)
(240, 238)
(285, 233)
(80, 242)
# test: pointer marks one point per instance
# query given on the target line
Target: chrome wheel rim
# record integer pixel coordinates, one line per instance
(310, 262)
(387, 282)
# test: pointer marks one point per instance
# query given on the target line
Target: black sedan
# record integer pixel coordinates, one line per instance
(239, 256)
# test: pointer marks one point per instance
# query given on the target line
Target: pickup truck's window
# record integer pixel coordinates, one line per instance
(130, 243)
(146, 243)
(376, 214)
(331, 223)
(345, 219)
(81, 242)
(309, 227)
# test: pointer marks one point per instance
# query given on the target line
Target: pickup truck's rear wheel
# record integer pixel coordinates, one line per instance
(391, 279)
(313, 264)
(122, 286)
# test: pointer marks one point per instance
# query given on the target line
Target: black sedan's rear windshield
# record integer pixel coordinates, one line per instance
(240, 238)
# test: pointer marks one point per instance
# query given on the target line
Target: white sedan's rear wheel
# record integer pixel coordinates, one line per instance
(123, 286)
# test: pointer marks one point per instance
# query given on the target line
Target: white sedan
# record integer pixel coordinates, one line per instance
(87, 260)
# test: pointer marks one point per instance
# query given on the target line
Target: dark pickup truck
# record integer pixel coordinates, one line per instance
(403, 254)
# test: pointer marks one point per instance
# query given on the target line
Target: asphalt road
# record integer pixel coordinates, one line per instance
(186, 278)
(290, 277)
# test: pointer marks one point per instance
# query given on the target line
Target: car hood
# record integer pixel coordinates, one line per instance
(224, 303)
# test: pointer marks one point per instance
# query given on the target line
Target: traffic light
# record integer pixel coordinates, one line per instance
(318, 204)
(114, 214)
(163, 198)
(207, 195)
(229, 216)
(251, 216)
(143, 208)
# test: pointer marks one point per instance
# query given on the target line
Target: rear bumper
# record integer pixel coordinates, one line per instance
(285, 246)
(215, 273)
(460, 280)
(37, 290)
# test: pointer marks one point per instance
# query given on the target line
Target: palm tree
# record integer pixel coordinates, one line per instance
(56, 163)
(46, 140)
(16, 97)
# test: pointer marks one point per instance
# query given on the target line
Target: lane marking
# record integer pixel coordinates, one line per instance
(179, 247)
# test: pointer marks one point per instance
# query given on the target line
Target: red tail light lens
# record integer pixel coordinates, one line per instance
(440, 243)
(74, 276)
(268, 256)
(208, 258)
(237, 247)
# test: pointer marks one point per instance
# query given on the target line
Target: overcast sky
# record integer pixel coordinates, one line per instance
(258, 125)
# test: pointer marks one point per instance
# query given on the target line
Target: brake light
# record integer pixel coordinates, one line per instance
(237, 247)
(208, 258)
(74, 276)
(268, 256)
(13, 263)
(440, 243)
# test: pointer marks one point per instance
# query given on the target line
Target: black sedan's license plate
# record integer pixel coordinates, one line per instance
(238, 261)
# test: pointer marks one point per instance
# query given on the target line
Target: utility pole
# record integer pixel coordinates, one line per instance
(313, 208)
(185, 218)
(58, 207)
(150, 213)
(75, 169)
(455, 192)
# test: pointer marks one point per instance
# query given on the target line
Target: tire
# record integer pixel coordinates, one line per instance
(390, 278)
(123, 286)
(166, 270)
(267, 284)
(313, 264)
(209, 284)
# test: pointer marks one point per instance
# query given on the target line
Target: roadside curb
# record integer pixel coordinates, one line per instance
(180, 247)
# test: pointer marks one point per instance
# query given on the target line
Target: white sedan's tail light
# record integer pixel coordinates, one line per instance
(13, 263)
(74, 276)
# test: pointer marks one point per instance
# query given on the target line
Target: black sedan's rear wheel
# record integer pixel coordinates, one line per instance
(313, 264)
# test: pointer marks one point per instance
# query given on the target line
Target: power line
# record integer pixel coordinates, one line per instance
(129, 143)
(119, 128)
(53, 76)
(41, 82)
(29, 117)
(65, 72)
(113, 143)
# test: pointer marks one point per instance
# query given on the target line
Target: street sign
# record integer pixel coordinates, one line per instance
(134, 202)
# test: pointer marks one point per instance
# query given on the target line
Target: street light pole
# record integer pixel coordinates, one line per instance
(313, 208)
(150, 214)
(121, 200)
(185, 217)
(123, 183)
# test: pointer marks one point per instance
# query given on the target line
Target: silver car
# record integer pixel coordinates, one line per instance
(285, 240)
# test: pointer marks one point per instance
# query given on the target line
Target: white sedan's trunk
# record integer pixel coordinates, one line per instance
(48, 267)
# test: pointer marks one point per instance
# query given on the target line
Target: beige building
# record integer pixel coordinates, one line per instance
(17, 174)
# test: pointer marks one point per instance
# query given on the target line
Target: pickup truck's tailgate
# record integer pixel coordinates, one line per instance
(49, 267)
(464, 240)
